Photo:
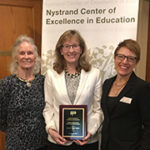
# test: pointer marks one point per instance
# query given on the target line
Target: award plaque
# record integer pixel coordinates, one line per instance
(73, 121)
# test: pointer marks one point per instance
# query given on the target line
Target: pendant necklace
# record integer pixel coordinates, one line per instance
(117, 88)
(28, 82)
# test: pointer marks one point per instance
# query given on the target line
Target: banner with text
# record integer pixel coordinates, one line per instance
(102, 24)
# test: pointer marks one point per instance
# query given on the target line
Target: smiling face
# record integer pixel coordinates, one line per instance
(71, 51)
(26, 56)
(123, 65)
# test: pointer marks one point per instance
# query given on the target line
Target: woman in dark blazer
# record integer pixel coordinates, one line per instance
(126, 103)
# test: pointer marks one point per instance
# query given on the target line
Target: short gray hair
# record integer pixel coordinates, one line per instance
(14, 64)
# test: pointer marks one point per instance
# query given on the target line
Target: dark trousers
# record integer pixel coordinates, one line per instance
(93, 146)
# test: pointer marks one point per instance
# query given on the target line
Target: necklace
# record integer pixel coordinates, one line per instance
(72, 75)
(116, 89)
(28, 82)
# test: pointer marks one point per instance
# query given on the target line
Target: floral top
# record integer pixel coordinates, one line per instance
(72, 83)
(21, 110)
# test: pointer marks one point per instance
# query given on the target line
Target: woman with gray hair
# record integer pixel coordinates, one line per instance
(22, 99)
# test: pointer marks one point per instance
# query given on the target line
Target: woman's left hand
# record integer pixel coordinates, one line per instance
(84, 140)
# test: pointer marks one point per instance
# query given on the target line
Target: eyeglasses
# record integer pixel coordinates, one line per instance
(129, 58)
(74, 47)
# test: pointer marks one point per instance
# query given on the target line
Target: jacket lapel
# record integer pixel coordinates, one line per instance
(128, 86)
(63, 89)
(106, 93)
(82, 82)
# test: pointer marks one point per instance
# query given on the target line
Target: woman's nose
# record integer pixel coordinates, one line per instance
(71, 49)
(26, 55)
(125, 60)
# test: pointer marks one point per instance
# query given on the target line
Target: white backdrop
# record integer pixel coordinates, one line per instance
(102, 23)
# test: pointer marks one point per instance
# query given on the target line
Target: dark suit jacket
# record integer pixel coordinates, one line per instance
(127, 126)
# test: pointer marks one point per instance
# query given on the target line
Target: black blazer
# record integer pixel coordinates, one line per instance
(127, 126)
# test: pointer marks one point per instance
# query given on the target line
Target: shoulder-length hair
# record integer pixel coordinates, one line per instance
(60, 63)
(14, 64)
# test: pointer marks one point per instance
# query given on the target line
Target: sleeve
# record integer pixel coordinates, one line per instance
(96, 118)
(144, 108)
(48, 111)
(4, 97)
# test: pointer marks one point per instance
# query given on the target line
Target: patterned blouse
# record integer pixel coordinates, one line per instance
(72, 83)
(21, 110)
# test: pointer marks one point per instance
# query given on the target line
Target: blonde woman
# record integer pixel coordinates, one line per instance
(72, 81)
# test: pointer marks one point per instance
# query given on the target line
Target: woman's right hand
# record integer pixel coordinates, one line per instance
(57, 137)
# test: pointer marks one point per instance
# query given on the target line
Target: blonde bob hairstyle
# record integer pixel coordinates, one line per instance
(14, 64)
(60, 63)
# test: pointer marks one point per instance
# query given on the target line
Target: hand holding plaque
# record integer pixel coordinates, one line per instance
(73, 121)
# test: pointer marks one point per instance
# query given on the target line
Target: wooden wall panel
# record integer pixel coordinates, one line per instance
(5, 64)
(2, 141)
(18, 17)
(18, 20)
(148, 51)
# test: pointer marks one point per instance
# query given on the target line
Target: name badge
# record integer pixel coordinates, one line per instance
(127, 100)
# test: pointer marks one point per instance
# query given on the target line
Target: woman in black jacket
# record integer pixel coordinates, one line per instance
(126, 103)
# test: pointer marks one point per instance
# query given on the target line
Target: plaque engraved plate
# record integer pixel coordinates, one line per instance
(73, 121)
